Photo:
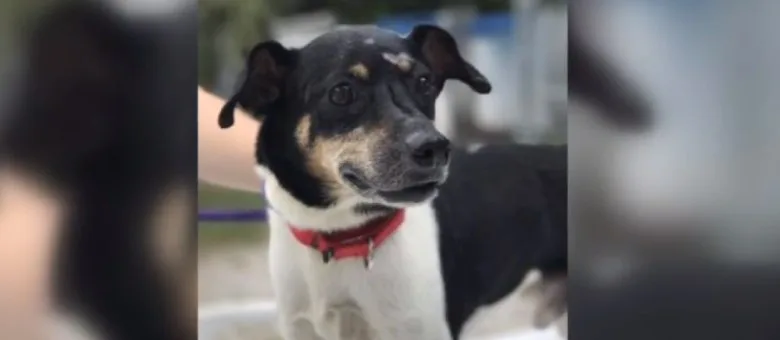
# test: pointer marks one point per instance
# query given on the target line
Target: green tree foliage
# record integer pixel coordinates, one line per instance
(16, 19)
(244, 21)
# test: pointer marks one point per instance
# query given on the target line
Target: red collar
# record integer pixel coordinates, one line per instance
(358, 242)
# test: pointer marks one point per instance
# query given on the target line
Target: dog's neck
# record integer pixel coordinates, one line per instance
(338, 217)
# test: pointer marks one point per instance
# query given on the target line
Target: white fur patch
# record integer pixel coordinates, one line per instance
(401, 59)
(369, 41)
(400, 297)
(331, 219)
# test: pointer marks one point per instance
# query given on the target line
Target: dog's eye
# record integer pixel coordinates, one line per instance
(425, 86)
(342, 94)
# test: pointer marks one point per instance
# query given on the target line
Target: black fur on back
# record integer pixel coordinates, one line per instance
(501, 213)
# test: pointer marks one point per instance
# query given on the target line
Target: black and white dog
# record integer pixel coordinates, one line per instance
(380, 229)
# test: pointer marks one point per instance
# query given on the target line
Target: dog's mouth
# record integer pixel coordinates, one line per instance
(412, 193)
(415, 193)
(356, 181)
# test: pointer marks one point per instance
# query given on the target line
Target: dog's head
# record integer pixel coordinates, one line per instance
(351, 113)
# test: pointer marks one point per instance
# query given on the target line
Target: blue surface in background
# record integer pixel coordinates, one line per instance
(493, 25)
(498, 24)
(404, 23)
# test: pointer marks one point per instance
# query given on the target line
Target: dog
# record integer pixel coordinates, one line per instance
(380, 228)
(93, 118)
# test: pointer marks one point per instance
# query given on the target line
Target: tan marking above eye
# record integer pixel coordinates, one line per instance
(401, 60)
(359, 70)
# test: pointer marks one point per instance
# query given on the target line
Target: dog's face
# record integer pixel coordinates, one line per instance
(351, 114)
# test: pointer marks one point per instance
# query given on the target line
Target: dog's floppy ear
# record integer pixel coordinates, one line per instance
(267, 67)
(441, 52)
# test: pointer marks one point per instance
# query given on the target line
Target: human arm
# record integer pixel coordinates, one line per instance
(225, 156)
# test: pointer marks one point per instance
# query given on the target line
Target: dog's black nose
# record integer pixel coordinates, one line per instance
(429, 149)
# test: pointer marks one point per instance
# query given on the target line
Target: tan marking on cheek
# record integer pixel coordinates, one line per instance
(401, 60)
(316, 154)
(359, 70)
(357, 148)
(322, 161)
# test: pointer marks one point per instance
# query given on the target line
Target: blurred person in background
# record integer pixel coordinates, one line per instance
(97, 173)
(685, 246)
(29, 218)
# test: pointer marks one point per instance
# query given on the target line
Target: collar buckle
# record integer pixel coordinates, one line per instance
(368, 261)
(327, 255)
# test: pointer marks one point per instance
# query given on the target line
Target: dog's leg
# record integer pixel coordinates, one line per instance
(326, 321)
(403, 316)
(292, 301)
(331, 324)
(296, 328)
(553, 302)
(549, 295)
(341, 321)
(402, 296)
(334, 315)
(289, 284)
(402, 325)
(291, 322)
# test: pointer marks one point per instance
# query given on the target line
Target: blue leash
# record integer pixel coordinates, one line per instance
(246, 215)
(232, 215)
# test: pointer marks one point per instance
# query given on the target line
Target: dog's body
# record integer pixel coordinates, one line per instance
(501, 214)
(491, 223)
(347, 139)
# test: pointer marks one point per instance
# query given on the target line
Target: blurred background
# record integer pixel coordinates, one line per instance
(97, 169)
(520, 46)
(676, 228)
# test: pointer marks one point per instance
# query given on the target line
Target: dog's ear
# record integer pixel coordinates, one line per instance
(440, 50)
(267, 67)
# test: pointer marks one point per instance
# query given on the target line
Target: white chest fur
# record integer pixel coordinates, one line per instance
(400, 298)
